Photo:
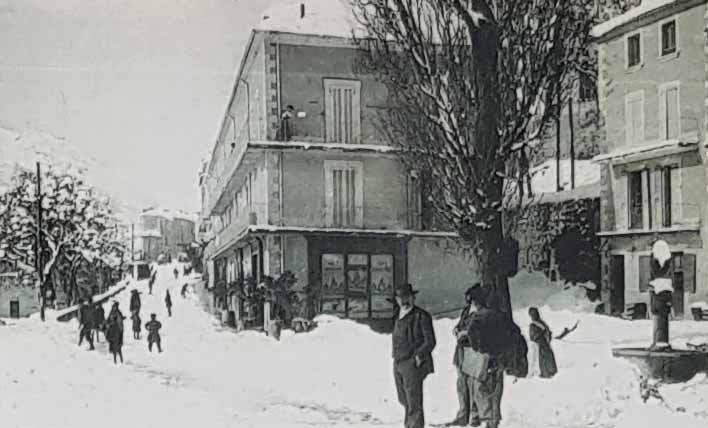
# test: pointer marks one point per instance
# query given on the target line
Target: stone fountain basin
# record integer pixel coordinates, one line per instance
(670, 365)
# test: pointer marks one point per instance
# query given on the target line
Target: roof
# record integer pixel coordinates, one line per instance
(688, 142)
(645, 8)
(170, 214)
(322, 17)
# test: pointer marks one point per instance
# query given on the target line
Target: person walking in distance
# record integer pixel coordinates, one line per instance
(153, 277)
(135, 317)
(467, 413)
(114, 332)
(135, 301)
(153, 327)
(99, 319)
(543, 361)
(168, 303)
(86, 323)
(413, 344)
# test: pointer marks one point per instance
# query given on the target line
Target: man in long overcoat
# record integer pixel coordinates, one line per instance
(413, 344)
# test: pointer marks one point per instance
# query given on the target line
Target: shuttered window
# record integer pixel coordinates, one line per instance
(669, 111)
(344, 193)
(688, 264)
(634, 117)
(343, 111)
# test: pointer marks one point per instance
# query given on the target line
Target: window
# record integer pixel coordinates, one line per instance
(669, 113)
(666, 196)
(636, 200)
(634, 50)
(344, 193)
(634, 117)
(587, 90)
(668, 37)
(342, 111)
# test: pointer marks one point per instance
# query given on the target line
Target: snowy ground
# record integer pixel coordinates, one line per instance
(337, 376)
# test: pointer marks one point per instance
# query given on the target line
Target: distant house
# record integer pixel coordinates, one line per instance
(18, 295)
(163, 232)
(652, 82)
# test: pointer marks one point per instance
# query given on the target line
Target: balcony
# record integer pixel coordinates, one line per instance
(229, 235)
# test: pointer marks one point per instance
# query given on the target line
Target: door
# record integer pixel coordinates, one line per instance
(617, 284)
(677, 302)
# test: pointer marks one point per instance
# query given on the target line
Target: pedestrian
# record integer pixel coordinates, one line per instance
(99, 320)
(542, 361)
(153, 276)
(134, 301)
(136, 325)
(86, 323)
(114, 332)
(490, 338)
(176, 273)
(168, 303)
(413, 344)
(184, 290)
(153, 327)
(467, 412)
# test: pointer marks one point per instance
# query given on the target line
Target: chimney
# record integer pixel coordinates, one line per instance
(302, 10)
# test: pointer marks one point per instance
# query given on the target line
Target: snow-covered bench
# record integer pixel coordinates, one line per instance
(700, 311)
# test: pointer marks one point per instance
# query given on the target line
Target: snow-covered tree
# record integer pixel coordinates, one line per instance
(77, 224)
(471, 83)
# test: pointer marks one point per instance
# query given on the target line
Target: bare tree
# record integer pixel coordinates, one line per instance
(470, 84)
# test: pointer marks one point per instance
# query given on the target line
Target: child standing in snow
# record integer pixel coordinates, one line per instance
(542, 361)
(153, 327)
(136, 325)
(168, 303)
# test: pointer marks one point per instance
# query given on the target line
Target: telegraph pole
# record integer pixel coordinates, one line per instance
(132, 249)
(572, 144)
(38, 246)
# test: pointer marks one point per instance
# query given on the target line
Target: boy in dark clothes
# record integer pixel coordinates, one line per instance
(168, 303)
(153, 327)
(136, 325)
(86, 323)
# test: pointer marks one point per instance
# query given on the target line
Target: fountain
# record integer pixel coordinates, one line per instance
(660, 360)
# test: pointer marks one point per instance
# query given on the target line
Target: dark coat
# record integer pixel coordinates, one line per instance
(153, 327)
(86, 316)
(459, 348)
(136, 322)
(135, 302)
(168, 300)
(421, 336)
(99, 316)
(541, 335)
(114, 335)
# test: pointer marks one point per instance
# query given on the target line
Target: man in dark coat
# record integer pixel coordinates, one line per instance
(153, 327)
(135, 301)
(99, 315)
(168, 303)
(490, 335)
(153, 277)
(467, 413)
(413, 344)
(86, 323)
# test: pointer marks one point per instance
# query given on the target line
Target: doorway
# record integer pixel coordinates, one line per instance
(617, 284)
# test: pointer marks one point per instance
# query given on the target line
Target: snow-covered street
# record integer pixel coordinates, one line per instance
(337, 376)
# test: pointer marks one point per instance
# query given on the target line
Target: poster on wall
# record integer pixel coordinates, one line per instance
(333, 284)
(381, 285)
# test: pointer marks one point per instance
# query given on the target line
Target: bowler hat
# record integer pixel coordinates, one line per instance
(405, 290)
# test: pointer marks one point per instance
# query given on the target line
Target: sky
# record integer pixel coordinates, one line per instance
(138, 85)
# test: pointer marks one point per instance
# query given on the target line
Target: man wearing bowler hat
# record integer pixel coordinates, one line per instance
(413, 344)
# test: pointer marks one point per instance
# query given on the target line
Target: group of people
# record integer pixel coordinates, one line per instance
(92, 321)
(489, 344)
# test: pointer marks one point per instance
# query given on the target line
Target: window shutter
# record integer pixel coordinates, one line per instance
(672, 114)
(656, 195)
(675, 195)
(637, 121)
(329, 195)
(628, 122)
(644, 273)
(621, 206)
(689, 272)
(356, 114)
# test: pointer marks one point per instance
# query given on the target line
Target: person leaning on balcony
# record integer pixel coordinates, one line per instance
(286, 131)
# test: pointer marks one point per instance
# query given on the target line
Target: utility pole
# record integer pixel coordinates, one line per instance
(558, 144)
(132, 249)
(572, 144)
(38, 246)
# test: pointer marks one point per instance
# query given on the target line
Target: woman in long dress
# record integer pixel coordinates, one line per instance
(542, 360)
(114, 333)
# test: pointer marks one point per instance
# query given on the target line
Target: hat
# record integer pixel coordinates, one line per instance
(475, 288)
(405, 290)
(476, 293)
(135, 291)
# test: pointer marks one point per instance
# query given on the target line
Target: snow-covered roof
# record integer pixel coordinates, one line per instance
(170, 214)
(148, 233)
(543, 177)
(646, 7)
(378, 148)
(652, 148)
(322, 17)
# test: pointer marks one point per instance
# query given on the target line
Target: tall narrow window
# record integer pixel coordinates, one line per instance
(634, 117)
(634, 50)
(342, 111)
(636, 201)
(669, 111)
(666, 196)
(343, 185)
(668, 38)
